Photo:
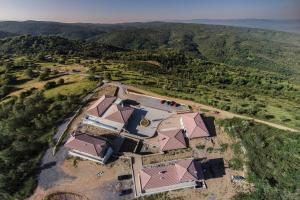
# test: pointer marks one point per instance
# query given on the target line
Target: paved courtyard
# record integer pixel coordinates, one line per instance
(155, 117)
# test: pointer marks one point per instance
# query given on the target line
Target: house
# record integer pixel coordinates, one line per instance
(194, 125)
(171, 139)
(108, 112)
(89, 147)
(171, 176)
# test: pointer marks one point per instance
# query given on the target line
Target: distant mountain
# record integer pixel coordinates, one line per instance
(4, 34)
(247, 47)
(73, 31)
(292, 26)
(53, 45)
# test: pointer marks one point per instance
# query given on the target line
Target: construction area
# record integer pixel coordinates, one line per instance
(152, 139)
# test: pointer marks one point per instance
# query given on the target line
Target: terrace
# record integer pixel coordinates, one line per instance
(154, 117)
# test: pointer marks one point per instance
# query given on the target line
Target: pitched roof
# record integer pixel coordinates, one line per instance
(101, 105)
(171, 139)
(120, 113)
(186, 170)
(178, 172)
(194, 125)
(87, 144)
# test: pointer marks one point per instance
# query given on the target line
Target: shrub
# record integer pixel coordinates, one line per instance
(61, 81)
(235, 164)
(49, 85)
(224, 147)
(200, 146)
(210, 149)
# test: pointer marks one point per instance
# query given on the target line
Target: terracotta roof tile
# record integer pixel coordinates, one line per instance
(101, 105)
(120, 113)
(194, 125)
(87, 144)
(171, 139)
(178, 172)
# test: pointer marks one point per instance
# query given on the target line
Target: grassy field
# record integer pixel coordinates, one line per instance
(277, 110)
(72, 88)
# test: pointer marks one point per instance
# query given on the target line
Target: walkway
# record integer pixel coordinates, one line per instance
(136, 167)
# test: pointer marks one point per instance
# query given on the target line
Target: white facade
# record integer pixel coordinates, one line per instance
(103, 123)
(86, 156)
(170, 188)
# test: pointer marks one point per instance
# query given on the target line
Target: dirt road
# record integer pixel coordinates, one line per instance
(221, 113)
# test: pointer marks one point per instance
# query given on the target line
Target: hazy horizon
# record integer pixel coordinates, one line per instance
(123, 11)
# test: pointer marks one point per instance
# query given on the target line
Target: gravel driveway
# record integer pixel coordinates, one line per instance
(50, 172)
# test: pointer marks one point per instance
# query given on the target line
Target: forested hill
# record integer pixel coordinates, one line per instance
(6, 34)
(234, 46)
(30, 45)
(247, 47)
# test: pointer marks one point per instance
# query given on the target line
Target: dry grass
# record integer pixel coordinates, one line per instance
(69, 79)
(169, 156)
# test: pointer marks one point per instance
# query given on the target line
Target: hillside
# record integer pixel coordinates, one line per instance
(6, 34)
(292, 26)
(276, 51)
(52, 45)
(247, 47)
(53, 73)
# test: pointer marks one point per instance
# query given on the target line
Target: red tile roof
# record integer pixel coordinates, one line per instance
(120, 113)
(101, 105)
(175, 173)
(194, 125)
(171, 139)
(87, 144)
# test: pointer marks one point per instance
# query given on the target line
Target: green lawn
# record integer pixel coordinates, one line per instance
(75, 88)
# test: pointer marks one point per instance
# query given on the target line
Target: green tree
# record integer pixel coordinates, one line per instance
(29, 73)
(49, 85)
(61, 81)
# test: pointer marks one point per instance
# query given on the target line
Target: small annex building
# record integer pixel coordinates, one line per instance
(171, 176)
(88, 147)
(171, 140)
(194, 125)
(108, 112)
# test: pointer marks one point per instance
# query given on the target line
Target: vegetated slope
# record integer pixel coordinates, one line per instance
(26, 128)
(6, 34)
(270, 50)
(292, 25)
(273, 159)
(53, 45)
(264, 49)
(72, 31)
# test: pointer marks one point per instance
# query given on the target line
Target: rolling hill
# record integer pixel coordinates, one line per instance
(247, 47)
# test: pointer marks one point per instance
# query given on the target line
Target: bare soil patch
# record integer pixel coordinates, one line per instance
(86, 182)
(171, 155)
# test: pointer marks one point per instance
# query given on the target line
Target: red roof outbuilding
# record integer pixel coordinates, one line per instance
(194, 125)
(101, 105)
(171, 139)
(172, 174)
(120, 113)
(87, 144)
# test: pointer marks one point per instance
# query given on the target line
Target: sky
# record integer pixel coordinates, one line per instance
(116, 11)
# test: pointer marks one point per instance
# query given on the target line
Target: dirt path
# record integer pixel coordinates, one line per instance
(221, 113)
(137, 166)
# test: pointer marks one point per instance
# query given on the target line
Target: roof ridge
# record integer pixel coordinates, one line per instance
(122, 114)
(95, 149)
(177, 134)
(148, 178)
(199, 125)
(186, 169)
